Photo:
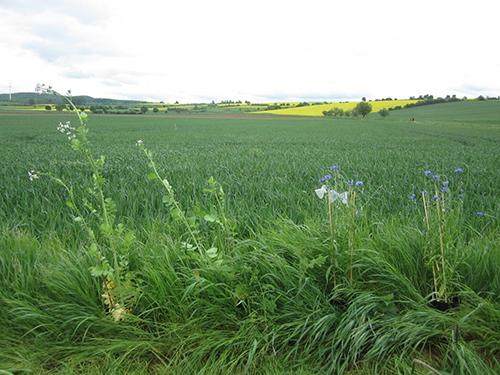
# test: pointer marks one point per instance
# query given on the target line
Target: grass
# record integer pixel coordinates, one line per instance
(269, 305)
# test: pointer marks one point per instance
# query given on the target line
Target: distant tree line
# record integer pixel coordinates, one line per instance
(362, 109)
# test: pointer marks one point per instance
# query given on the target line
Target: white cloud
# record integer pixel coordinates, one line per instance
(279, 50)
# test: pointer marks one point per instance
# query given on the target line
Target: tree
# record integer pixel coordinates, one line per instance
(363, 108)
(155, 110)
(363, 99)
(48, 107)
(144, 109)
(60, 107)
(384, 112)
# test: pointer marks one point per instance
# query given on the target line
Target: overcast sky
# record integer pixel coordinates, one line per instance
(259, 50)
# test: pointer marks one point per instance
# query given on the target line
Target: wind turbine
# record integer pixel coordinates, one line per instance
(10, 90)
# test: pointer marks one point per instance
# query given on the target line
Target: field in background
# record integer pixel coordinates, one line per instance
(270, 306)
(317, 109)
(269, 159)
(286, 108)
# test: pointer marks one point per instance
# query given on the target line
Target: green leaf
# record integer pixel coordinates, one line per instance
(76, 144)
(187, 246)
(93, 248)
(152, 176)
(167, 199)
(129, 237)
(177, 214)
(84, 117)
(70, 204)
(210, 218)
(212, 252)
(106, 229)
(192, 221)
(96, 271)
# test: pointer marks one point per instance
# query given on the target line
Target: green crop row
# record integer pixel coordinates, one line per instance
(282, 280)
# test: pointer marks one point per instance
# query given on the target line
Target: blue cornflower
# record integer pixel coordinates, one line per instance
(358, 183)
(424, 192)
(435, 197)
(480, 213)
(445, 183)
(460, 195)
(350, 183)
(427, 173)
(334, 167)
(447, 208)
(321, 180)
(327, 177)
(444, 190)
(412, 196)
(435, 176)
(458, 170)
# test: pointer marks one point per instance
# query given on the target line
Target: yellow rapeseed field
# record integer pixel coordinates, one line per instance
(317, 110)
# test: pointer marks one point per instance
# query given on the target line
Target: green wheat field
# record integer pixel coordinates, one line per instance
(252, 272)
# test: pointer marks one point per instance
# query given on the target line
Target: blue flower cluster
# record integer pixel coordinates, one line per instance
(329, 177)
(444, 189)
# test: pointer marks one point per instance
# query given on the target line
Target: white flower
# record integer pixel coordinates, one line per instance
(139, 143)
(65, 128)
(32, 175)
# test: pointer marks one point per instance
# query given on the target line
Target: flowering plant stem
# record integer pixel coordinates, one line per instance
(175, 208)
(440, 216)
(434, 277)
(223, 221)
(351, 234)
(79, 142)
(331, 238)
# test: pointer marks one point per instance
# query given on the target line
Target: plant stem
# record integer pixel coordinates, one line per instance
(331, 238)
(425, 210)
(174, 202)
(97, 176)
(351, 233)
(434, 278)
(440, 226)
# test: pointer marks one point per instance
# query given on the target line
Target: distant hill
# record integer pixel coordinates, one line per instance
(484, 112)
(28, 98)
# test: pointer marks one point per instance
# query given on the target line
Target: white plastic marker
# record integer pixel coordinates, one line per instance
(342, 196)
(321, 191)
(333, 194)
